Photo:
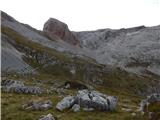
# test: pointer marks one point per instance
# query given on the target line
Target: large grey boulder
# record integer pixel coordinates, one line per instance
(96, 100)
(90, 100)
(54, 28)
(153, 98)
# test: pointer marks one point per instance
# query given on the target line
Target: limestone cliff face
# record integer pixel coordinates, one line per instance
(134, 49)
(55, 28)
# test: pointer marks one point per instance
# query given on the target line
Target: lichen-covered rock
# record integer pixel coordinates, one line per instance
(96, 100)
(28, 89)
(67, 102)
(11, 83)
(57, 30)
(90, 100)
(19, 87)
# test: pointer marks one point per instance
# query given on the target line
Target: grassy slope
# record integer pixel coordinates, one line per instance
(12, 103)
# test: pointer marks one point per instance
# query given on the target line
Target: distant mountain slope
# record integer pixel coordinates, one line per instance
(12, 58)
(134, 49)
(109, 58)
(10, 27)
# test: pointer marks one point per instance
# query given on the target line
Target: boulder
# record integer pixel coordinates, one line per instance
(11, 83)
(91, 100)
(47, 117)
(57, 30)
(67, 102)
(28, 90)
(150, 107)
(96, 100)
(153, 98)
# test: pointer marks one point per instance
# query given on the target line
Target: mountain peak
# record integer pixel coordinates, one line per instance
(55, 28)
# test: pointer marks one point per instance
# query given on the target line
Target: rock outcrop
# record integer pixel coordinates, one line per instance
(150, 107)
(150, 99)
(19, 87)
(54, 28)
(135, 49)
(90, 100)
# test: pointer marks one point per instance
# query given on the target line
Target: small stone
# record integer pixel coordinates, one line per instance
(90, 100)
(88, 109)
(67, 86)
(133, 114)
(127, 109)
(47, 117)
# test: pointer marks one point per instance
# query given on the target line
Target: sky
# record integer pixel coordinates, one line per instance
(82, 15)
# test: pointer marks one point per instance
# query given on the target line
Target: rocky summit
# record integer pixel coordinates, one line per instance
(54, 28)
(89, 75)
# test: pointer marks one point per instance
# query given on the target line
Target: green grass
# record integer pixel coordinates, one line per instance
(12, 103)
(11, 110)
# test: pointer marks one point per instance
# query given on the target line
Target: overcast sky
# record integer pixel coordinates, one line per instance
(85, 14)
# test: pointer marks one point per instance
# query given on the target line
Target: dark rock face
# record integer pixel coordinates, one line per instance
(75, 85)
(53, 28)
(5, 16)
